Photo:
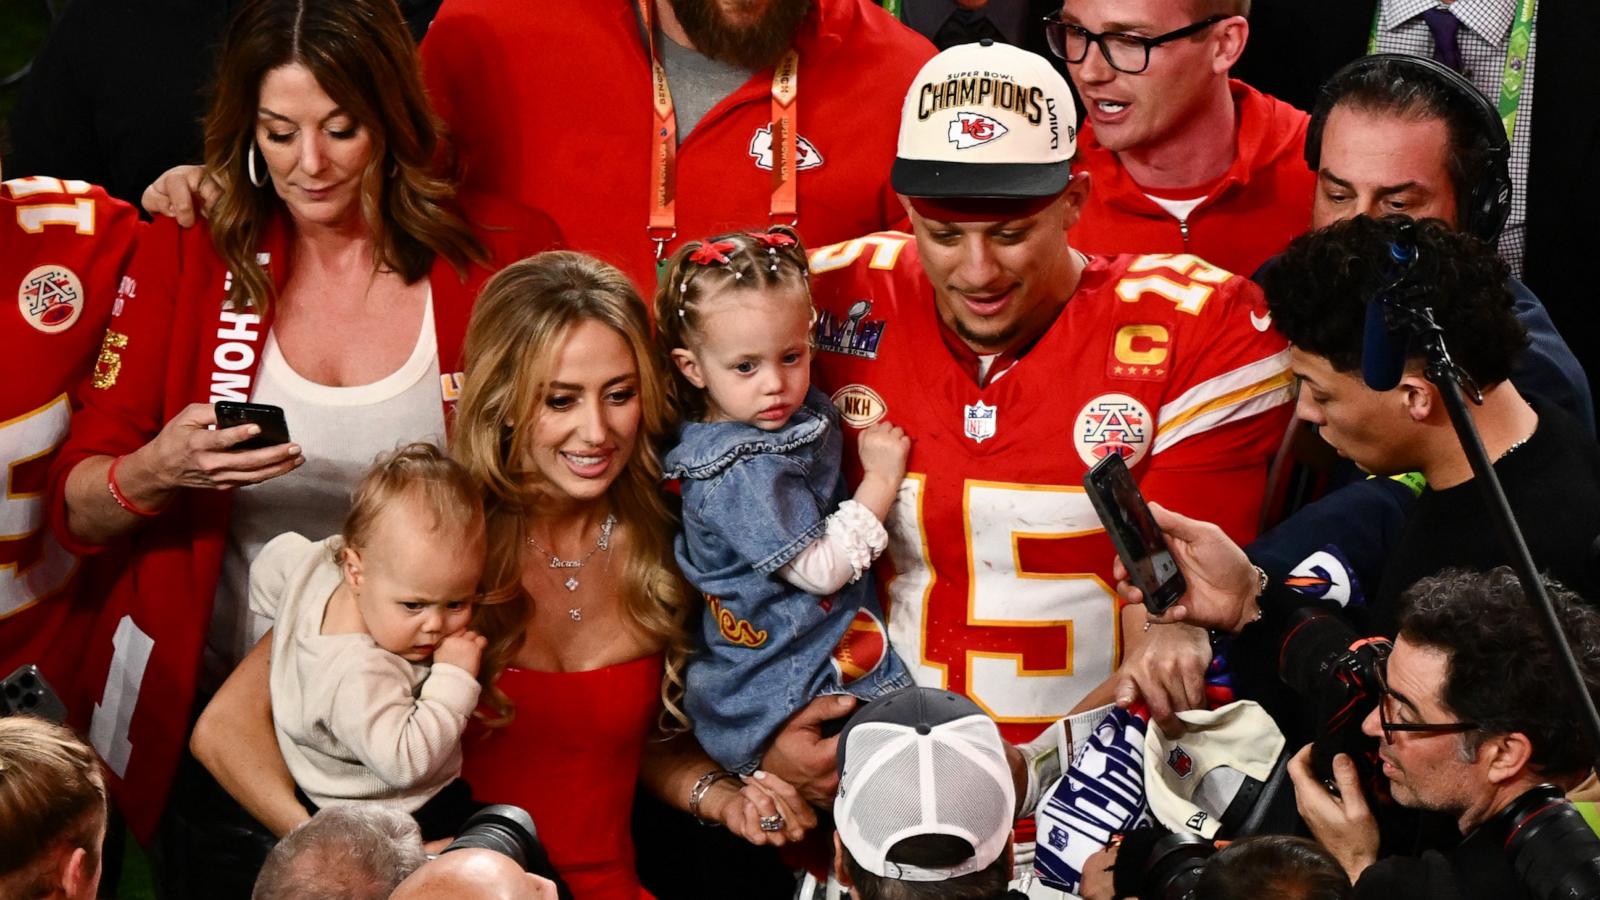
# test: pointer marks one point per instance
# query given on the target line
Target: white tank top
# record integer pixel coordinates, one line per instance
(340, 430)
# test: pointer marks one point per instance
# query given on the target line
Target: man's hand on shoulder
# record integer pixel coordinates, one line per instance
(180, 192)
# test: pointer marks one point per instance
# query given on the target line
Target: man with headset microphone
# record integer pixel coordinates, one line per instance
(1397, 134)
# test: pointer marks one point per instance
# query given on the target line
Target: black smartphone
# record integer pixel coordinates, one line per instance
(274, 430)
(25, 692)
(1133, 531)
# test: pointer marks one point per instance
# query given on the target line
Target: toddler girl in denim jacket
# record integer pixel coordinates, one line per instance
(770, 535)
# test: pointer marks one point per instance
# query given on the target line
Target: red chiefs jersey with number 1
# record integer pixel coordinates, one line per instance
(1001, 573)
(63, 246)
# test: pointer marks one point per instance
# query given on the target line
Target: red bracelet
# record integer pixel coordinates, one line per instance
(122, 500)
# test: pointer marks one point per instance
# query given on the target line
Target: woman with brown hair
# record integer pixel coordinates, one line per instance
(561, 414)
(334, 278)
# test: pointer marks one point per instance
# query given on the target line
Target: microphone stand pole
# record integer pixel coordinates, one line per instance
(1419, 322)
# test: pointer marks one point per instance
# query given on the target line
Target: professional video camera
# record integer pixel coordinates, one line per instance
(509, 831)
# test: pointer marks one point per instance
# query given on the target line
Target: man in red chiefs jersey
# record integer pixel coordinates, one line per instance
(63, 245)
(1016, 363)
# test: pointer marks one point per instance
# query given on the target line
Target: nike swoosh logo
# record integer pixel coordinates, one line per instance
(1261, 323)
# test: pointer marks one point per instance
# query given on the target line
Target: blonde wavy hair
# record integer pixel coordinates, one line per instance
(524, 315)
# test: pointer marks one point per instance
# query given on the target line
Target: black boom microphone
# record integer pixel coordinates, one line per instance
(1383, 347)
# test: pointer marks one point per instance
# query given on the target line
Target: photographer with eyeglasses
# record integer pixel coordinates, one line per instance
(1471, 721)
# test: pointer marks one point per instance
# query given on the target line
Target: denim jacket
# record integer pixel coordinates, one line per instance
(752, 501)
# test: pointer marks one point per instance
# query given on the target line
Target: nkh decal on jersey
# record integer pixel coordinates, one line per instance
(51, 298)
(761, 150)
(859, 406)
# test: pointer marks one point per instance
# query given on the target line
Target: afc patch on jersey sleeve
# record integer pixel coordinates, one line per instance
(1113, 423)
(50, 298)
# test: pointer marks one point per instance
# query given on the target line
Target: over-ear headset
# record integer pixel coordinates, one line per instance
(1487, 201)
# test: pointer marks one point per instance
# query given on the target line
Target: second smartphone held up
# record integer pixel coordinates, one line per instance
(1135, 534)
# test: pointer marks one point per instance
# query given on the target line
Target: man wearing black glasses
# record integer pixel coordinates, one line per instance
(1474, 722)
(1183, 159)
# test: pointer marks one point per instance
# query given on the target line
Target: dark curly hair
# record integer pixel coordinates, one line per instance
(1319, 289)
(1502, 673)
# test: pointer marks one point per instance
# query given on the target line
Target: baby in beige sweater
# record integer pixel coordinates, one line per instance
(374, 672)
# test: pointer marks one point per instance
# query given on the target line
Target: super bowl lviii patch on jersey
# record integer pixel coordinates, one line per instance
(855, 334)
(50, 298)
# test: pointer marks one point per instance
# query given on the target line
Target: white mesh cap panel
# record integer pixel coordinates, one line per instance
(897, 783)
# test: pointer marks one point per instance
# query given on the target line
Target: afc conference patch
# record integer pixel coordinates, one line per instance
(1112, 423)
(50, 298)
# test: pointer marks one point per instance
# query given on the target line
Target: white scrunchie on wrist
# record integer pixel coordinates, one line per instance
(855, 529)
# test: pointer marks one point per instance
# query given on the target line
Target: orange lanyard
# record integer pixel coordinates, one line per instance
(785, 206)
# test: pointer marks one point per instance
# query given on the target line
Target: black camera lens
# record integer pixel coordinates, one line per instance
(1156, 864)
(509, 831)
(1556, 853)
(1174, 866)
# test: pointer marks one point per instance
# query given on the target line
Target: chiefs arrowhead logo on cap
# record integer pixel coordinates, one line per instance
(970, 129)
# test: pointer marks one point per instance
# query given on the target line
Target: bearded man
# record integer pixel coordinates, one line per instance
(639, 124)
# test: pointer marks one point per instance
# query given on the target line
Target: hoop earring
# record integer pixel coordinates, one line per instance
(250, 165)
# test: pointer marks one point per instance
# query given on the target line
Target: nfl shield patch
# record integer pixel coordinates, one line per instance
(1180, 762)
(980, 421)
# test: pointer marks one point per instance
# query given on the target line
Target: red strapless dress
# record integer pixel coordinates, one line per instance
(571, 759)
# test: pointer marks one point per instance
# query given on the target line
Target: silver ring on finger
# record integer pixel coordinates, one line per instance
(773, 823)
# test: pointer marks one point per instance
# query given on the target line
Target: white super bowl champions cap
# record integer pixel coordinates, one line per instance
(986, 120)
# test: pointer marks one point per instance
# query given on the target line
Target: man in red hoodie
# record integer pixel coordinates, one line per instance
(1183, 159)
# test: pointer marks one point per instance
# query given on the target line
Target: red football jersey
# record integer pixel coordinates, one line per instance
(63, 246)
(1001, 574)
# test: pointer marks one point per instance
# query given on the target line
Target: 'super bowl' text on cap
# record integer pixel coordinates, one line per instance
(986, 120)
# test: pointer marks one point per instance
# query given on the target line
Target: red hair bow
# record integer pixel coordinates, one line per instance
(772, 240)
(713, 253)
